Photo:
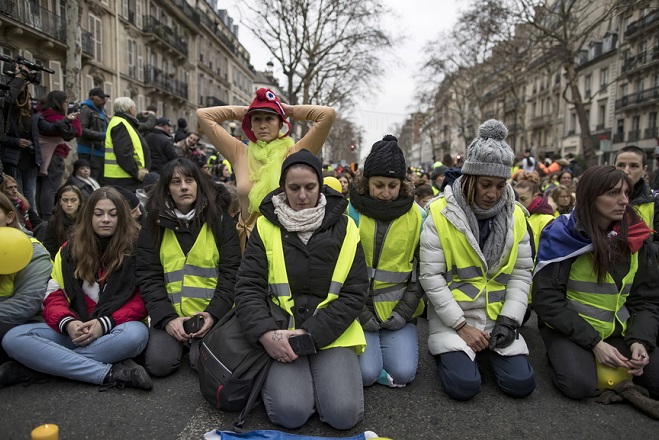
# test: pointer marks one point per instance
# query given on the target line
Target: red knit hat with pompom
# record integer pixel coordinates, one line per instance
(265, 101)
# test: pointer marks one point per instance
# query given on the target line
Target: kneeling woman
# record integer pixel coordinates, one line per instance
(595, 286)
(475, 266)
(93, 309)
(389, 226)
(304, 256)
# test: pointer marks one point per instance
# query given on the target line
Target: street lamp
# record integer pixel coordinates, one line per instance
(232, 127)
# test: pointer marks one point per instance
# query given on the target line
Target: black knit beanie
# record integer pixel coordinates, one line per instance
(79, 164)
(385, 159)
(304, 157)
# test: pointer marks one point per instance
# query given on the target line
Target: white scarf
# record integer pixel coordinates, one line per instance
(304, 222)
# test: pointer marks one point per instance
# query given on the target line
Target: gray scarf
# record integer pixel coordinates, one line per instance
(501, 213)
(304, 222)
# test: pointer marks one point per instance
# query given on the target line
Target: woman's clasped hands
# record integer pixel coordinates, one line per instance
(84, 333)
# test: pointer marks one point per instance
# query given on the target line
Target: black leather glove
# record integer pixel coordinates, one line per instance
(372, 325)
(395, 322)
(503, 334)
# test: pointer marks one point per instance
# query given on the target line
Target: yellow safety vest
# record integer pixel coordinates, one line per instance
(538, 223)
(599, 304)
(280, 291)
(646, 212)
(111, 168)
(395, 268)
(7, 281)
(466, 275)
(190, 279)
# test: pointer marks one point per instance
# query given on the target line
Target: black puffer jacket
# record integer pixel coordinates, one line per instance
(309, 268)
(150, 273)
(161, 148)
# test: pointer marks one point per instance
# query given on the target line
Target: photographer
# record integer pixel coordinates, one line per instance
(7, 99)
(21, 154)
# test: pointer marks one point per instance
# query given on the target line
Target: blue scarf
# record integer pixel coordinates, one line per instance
(560, 240)
(88, 102)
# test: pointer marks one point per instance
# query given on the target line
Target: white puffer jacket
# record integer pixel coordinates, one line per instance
(444, 312)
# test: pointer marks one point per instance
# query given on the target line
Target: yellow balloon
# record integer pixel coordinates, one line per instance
(15, 250)
(608, 377)
(333, 183)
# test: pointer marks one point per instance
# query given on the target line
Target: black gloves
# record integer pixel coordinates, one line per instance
(503, 334)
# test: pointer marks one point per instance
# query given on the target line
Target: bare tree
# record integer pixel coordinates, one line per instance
(562, 28)
(74, 52)
(343, 142)
(329, 50)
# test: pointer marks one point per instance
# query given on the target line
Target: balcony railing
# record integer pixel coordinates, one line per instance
(642, 23)
(213, 26)
(638, 98)
(618, 137)
(151, 24)
(541, 120)
(633, 135)
(188, 10)
(155, 76)
(212, 101)
(571, 132)
(599, 127)
(37, 18)
(651, 133)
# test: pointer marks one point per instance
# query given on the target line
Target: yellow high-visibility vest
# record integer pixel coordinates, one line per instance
(280, 291)
(190, 279)
(466, 275)
(395, 267)
(111, 168)
(600, 304)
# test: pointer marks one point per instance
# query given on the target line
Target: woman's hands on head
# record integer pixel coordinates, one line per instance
(276, 344)
(288, 109)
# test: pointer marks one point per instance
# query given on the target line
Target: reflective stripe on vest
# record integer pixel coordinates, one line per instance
(280, 291)
(466, 275)
(396, 265)
(599, 304)
(111, 168)
(190, 279)
(7, 281)
(646, 212)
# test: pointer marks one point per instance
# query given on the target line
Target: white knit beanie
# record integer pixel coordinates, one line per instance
(489, 154)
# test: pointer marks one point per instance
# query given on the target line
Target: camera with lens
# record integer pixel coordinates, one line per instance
(74, 107)
(31, 76)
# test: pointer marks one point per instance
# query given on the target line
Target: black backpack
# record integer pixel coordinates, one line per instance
(231, 370)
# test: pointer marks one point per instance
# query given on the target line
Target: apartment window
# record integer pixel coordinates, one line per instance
(621, 127)
(642, 46)
(573, 122)
(604, 78)
(55, 78)
(601, 115)
(124, 9)
(138, 14)
(97, 37)
(636, 123)
(623, 90)
(109, 106)
(587, 81)
(652, 120)
(89, 84)
(131, 58)
(140, 103)
(140, 62)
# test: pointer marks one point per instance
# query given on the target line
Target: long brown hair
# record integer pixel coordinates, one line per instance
(61, 232)
(6, 206)
(86, 246)
(594, 182)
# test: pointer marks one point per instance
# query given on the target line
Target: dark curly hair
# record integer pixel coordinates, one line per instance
(360, 183)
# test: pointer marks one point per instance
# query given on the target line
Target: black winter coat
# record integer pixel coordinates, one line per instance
(94, 126)
(309, 268)
(161, 147)
(150, 273)
(550, 302)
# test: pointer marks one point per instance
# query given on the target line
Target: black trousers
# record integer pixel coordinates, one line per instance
(573, 368)
(4, 329)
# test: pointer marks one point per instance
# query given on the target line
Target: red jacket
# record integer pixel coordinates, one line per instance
(57, 312)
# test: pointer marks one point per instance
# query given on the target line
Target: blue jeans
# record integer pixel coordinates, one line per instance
(26, 180)
(395, 352)
(461, 379)
(43, 349)
(328, 382)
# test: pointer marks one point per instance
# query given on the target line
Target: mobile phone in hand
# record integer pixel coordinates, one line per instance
(302, 344)
(193, 325)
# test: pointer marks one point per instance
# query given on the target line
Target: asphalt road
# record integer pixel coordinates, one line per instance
(175, 409)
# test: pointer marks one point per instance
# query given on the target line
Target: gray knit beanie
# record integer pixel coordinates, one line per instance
(489, 154)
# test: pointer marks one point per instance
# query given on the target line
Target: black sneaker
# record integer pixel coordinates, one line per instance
(128, 374)
(13, 372)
